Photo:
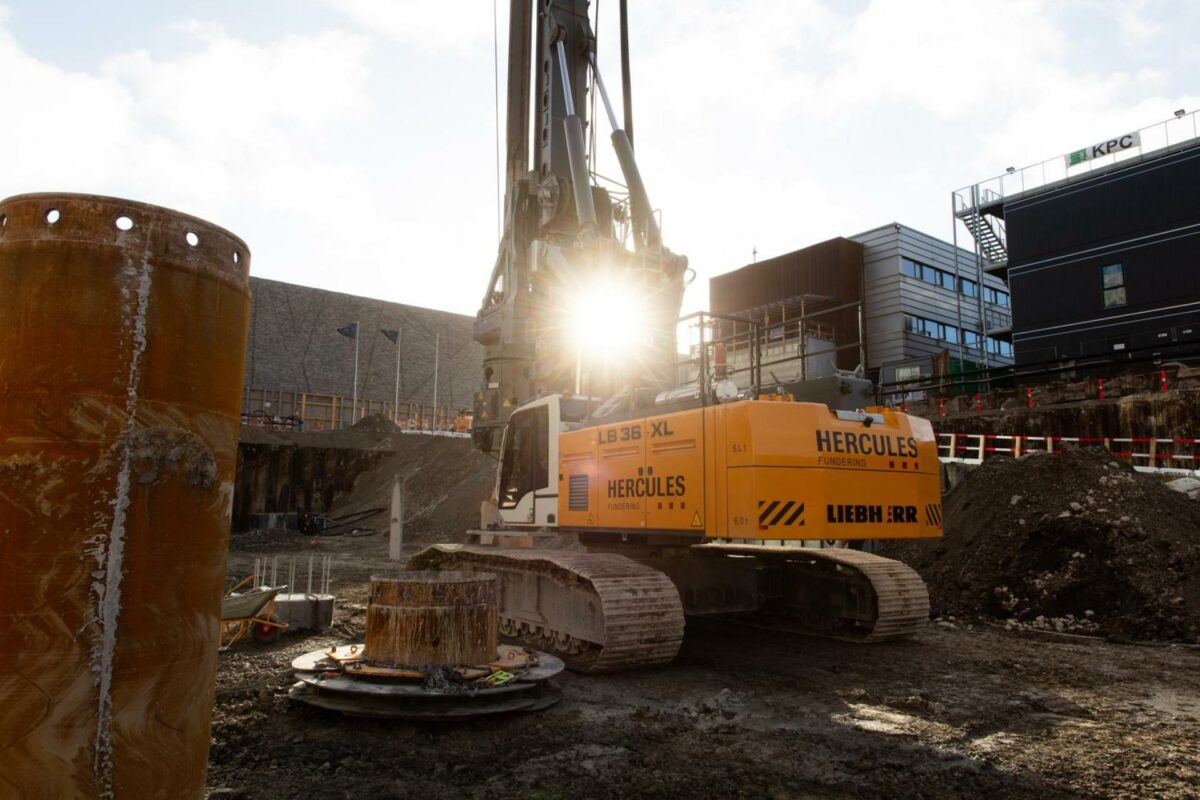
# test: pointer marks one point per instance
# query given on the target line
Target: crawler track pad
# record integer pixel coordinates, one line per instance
(835, 593)
(597, 612)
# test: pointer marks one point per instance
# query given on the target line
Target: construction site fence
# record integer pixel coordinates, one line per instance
(281, 409)
(980, 381)
(1173, 456)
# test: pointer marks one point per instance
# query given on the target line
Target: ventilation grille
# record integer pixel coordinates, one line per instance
(577, 494)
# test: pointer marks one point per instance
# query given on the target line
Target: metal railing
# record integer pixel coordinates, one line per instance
(1067, 369)
(1174, 455)
(311, 411)
(1155, 139)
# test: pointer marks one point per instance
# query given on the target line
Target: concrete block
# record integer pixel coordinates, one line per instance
(309, 612)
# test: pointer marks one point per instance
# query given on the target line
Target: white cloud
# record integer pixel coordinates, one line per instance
(456, 26)
(246, 136)
(364, 161)
(779, 125)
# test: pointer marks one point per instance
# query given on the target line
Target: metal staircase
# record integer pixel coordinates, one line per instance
(990, 240)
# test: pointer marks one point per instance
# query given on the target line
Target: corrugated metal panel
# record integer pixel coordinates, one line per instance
(830, 270)
(1145, 217)
(889, 295)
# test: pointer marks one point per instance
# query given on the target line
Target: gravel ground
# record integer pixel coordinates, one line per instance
(956, 712)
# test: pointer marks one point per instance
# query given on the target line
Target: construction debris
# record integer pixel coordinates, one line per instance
(1076, 542)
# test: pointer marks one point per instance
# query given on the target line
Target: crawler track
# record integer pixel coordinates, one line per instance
(835, 593)
(597, 612)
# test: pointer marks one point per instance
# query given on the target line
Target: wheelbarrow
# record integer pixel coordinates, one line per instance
(250, 612)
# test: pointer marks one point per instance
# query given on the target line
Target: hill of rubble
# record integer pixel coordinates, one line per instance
(1074, 542)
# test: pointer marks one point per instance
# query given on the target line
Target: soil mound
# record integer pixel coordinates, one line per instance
(446, 479)
(376, 432)
(1075, 542)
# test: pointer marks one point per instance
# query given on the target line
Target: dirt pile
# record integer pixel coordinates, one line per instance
(375, 432)
(446, 479)
(1071, 542)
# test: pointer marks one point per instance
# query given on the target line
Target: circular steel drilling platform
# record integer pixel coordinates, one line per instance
(431, 653)
(342, 679)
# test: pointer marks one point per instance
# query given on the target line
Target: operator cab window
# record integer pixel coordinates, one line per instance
(525, 466)
(1113, 277)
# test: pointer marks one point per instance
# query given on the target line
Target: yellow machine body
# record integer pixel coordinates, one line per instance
(755, 469)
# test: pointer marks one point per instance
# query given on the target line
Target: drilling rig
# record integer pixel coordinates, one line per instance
(631, 491)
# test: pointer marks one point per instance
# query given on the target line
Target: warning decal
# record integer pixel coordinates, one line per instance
(696, 522)
(775, 511)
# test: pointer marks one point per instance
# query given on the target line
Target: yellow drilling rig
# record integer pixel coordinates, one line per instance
(631, 490)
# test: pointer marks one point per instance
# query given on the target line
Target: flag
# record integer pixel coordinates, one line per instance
(392, 335)
(350, 331)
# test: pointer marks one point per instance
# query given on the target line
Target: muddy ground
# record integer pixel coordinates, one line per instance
(958, 712)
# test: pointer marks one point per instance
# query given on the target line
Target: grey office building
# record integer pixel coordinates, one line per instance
(922, 296)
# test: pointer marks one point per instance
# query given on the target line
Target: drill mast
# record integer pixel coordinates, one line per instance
(562, 229)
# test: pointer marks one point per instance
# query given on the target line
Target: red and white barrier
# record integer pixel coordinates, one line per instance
(1178, 455)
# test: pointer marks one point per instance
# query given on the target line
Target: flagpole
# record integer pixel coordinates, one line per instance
(396, 401)
(436, 348)
(354, 407)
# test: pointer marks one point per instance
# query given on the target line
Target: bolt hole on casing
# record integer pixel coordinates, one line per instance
(192, 239)
(53, 215)
(124, 223)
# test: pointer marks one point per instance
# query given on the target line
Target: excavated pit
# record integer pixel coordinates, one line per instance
(963, 709)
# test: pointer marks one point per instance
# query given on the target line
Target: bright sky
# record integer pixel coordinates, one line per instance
(351, 143)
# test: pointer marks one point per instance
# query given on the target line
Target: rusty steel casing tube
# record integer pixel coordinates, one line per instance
(122, 342)
(433, 618)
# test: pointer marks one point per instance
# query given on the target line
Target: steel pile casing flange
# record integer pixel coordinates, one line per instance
(341, 679)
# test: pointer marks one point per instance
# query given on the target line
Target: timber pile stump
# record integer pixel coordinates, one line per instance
(432, 618)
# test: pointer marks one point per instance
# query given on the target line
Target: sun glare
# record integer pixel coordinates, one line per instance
(607, 319)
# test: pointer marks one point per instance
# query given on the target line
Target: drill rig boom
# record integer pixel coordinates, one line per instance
(562, 229)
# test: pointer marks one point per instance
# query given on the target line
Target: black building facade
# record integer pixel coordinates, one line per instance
(1107, 267)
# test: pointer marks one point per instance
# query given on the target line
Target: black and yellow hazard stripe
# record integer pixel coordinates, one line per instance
(774, 512)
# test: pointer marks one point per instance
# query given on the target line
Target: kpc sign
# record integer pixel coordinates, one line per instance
(1116, 145)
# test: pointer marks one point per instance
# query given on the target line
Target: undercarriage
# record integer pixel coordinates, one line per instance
(607, 603)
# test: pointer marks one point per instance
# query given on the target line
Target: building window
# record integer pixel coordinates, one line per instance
(999, 347)
(1113, 277)
(947, 280)
(971, 339)
(931, 328)
(995, 296)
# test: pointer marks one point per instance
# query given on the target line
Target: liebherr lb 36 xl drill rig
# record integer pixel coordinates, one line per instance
(629, 493)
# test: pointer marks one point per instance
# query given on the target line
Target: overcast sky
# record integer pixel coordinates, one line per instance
(352, 143)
